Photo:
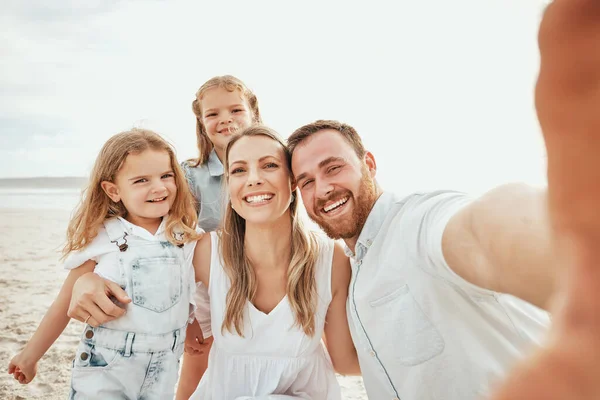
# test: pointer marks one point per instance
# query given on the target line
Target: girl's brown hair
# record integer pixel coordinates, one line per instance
(301, 285)
(95, 206)
(227, 82)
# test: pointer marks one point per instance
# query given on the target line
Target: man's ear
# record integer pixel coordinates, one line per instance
(111, 191)
(294, 184)
(369, 160)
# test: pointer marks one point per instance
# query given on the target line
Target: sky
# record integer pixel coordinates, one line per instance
(440, 91)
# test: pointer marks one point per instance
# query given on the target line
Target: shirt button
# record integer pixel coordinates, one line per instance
(369, 242)
(84, 356)
(89, 334)
(372, 353)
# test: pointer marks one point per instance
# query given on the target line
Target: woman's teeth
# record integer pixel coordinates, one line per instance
(258, 199)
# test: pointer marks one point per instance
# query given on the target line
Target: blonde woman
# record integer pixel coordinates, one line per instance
(275, 288)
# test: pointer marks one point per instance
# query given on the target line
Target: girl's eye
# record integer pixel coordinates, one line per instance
(169, 175)
(140, 180)
(210, 115)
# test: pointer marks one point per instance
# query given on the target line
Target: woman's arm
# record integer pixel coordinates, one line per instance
(201, 261)
(337, 333)
(23, 366)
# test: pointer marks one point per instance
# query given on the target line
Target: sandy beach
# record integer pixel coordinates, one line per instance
(30, 278)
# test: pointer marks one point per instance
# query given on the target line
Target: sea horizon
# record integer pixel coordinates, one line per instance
(41, 192)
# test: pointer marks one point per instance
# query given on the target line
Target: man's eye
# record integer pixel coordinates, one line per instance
(306, 183)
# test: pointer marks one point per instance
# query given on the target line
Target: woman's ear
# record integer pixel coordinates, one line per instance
(111, 191)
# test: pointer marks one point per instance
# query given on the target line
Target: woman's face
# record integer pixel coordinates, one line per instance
(259, 181)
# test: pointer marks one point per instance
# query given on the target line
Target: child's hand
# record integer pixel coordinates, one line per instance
(194, 340)
(22, 369)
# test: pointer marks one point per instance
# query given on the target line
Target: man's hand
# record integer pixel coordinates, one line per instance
(93, 300)
(568, 104)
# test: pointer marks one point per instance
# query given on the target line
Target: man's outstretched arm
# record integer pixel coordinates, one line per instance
(568, 107)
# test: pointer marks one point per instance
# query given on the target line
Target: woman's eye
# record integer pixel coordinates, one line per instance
(236, 171)
(271, 165)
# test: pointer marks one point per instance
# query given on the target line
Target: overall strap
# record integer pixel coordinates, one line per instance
(116, 233)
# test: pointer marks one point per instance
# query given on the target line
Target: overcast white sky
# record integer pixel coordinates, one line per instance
(441, 91)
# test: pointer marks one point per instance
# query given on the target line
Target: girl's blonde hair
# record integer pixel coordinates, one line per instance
(301, 284)
(227, 82)
(95, 206)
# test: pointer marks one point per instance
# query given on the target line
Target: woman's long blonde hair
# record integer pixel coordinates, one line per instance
(229, 83)
(95, 206)
(301, 285)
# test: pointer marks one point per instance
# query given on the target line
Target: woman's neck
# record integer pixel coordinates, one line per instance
(269, 246)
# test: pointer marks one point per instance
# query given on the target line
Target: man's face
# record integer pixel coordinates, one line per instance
(338, 189)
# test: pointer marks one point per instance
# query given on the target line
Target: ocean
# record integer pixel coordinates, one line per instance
(41, 193)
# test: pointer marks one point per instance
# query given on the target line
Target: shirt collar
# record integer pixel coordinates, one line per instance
(215, 167)
(372, 225)
(135, 230)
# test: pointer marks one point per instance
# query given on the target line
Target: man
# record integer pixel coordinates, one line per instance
(425, 307)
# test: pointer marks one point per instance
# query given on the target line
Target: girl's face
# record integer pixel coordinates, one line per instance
(259, 181)
(224, 113)
(146, 186)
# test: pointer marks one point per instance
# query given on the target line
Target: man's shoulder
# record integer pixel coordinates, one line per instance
(417, 205)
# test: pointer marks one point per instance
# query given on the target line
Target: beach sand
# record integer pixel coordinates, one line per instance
(30, 278)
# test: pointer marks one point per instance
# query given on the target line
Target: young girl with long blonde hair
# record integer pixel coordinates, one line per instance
(136, 226)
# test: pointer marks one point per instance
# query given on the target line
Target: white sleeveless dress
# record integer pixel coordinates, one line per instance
(275, 359)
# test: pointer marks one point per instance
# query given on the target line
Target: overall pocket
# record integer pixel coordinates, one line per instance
(90, 357)
(156, 283)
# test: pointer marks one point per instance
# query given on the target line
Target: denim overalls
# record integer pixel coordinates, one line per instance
(137, 356)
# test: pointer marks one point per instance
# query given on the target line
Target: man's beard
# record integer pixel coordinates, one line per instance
(351, 226)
